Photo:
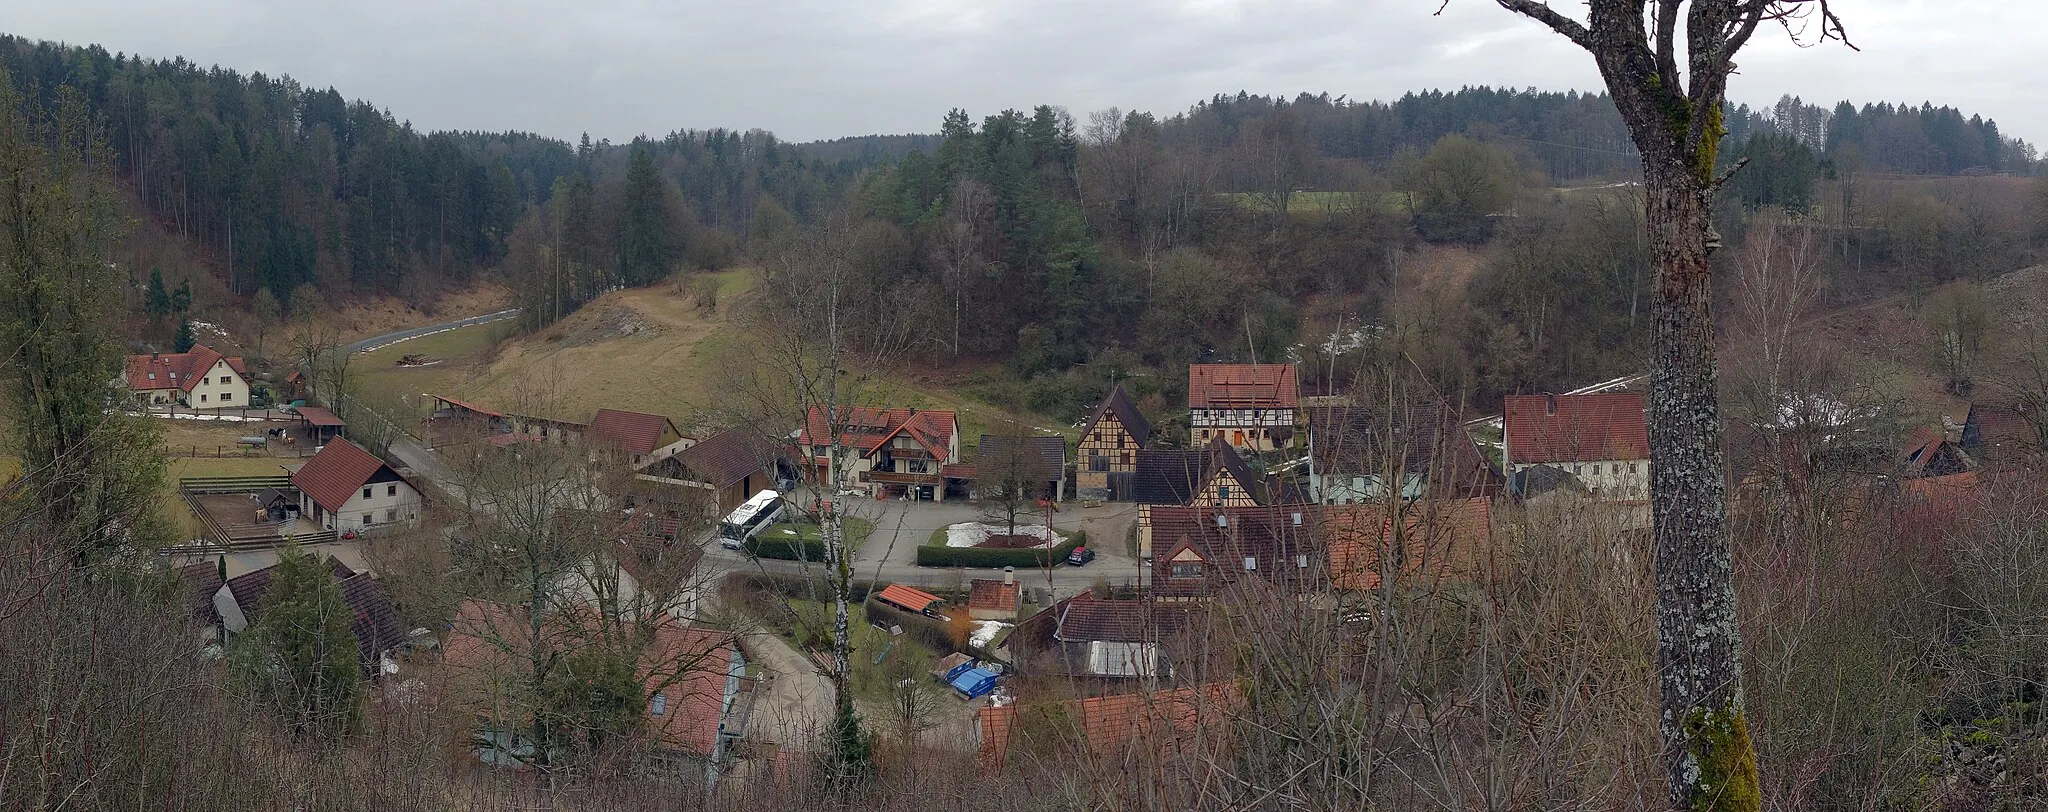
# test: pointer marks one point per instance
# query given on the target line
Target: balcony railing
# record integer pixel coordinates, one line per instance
(894, 478)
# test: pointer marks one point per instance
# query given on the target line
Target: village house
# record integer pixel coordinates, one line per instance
(693, 680)
(1930, 453)
(1204, 552)
(729, 467)
(1602, 440)
(1432, 539)
(346, 489)
(894, 451)
(1038, 464)
(201, 378)
(1353, 451)
(991, 599)
(2001, 433)
(1108, 452)
(640, 437)
(237, 603)
(1133, 733)
(1107, 638)
(1249, 406)
(1216, 476)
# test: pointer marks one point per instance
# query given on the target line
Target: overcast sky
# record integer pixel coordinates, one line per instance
(810, 69)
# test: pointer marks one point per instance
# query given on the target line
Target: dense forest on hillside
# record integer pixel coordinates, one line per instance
(1119, 240)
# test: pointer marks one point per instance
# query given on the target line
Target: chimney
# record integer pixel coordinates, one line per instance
(1550, 404)
(1009, 576)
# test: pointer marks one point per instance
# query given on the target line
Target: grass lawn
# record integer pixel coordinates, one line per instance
(900, 657)
(381, 380)
(857, 531)
(938, 537)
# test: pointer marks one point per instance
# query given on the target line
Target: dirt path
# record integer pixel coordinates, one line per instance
(793, 702)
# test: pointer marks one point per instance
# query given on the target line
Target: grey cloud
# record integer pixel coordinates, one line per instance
(810, 69)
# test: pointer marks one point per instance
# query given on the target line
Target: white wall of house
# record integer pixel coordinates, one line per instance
(388, 503)
(1351, 489)
(219, 387)
(1608, 479)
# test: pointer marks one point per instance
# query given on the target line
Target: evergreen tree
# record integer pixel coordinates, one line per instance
(184, 341)
(300, 655)
(181, 299)
(157, 302)
(646, 246)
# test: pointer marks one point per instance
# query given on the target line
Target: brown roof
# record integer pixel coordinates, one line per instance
(1575, 428)
(684, 666)
(908, 598)
(203, 579)
(1114, 726)
(1276, 542)
(1242, 386)
(178, 370)
(1176, 476)
(1439, 538)
(1127, 414)
(1992, 431)
(728, 457)
(1086, 618)
(335, 473)
(318, 416)
(1038, 457)
(468, 407)
(988, 593)
(631, 432)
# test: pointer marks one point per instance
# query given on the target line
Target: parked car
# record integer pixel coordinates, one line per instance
(1080, 555)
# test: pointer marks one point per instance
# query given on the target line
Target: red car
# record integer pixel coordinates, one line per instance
(1080, 555)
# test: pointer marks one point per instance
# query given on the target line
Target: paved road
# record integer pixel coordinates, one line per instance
(388, 339)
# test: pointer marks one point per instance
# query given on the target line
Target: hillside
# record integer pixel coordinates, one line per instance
(645, 349)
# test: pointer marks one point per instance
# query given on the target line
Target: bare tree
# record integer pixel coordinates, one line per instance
(1674, 115)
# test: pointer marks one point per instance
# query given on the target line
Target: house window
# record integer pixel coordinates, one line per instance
(659, 705)
(1223, 491)
(1186, 570)
(391, 515)
(1098, 463)
(1596, 469)
(1120, 441)
(202, 398)
(206, 381)
(368, 520)
(1631, 467)
(366, 493)
(1251, 563)
(391, 490)
(152, 376)
(226, 396)
(1127, 458)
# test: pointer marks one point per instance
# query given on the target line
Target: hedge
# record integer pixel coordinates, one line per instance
(785, 549)
(985, 558)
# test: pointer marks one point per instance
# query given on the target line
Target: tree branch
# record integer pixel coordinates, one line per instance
(1542, 12)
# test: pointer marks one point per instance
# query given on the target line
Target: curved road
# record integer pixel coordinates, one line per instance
(388, 339)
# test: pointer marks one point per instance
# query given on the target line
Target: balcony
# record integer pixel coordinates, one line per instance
(894, 478)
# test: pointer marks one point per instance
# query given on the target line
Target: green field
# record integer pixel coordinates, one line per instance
(1303, 201)
(379, 379)
(857, 532)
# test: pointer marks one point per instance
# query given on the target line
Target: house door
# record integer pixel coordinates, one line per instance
(1237, 438)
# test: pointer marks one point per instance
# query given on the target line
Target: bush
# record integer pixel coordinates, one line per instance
(942, 556)
(786, 549)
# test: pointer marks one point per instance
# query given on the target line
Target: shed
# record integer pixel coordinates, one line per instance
(909, 599)
(321, 423)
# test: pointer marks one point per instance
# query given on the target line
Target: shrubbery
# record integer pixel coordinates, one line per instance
(978, 557)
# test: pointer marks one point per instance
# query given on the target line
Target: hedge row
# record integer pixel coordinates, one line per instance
(984, 558)
(785, 549)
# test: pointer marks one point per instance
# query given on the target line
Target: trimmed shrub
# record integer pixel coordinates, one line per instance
(984, 558)
(785, 549)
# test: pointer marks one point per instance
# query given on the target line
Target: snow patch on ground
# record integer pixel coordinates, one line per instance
(969, 534)
(985, 632)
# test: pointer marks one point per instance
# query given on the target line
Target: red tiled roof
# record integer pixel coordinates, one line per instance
(685, 666)
(987, 593)
(1086, 618)
(180, 370)
(1580, 428)
(1114, 726)
(1278, 540)
(631, 432)
(318, 416)
(866, 429)
(1242, 386)
(1442, 537)
(907, 598)
(334, 474)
